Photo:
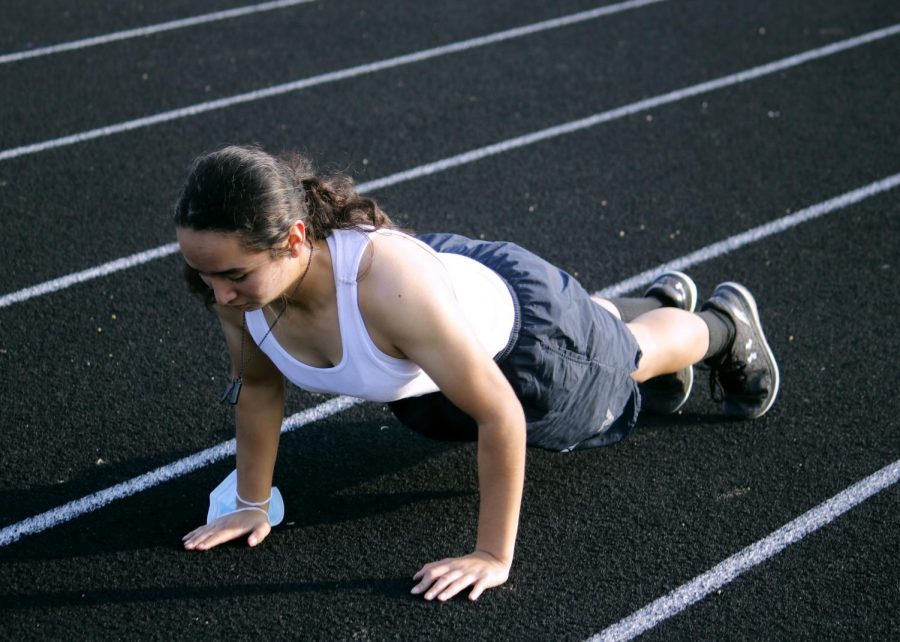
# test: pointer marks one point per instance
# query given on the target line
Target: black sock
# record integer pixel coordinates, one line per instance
(631, 308)
(721, 332)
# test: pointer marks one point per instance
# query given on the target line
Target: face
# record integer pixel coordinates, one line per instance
(240, 278)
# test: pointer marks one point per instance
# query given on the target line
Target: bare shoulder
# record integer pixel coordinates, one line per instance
(396, 264)
(408, 301)
(401, 281)
(389, 250)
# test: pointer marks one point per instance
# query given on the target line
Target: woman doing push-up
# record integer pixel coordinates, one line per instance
(465, 339)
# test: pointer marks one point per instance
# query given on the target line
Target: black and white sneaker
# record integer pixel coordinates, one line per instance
(745, 377)
(666, 394)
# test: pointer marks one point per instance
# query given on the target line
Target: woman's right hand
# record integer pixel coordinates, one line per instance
(229, 527)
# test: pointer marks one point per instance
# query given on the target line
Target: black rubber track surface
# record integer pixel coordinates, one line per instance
(111, 378)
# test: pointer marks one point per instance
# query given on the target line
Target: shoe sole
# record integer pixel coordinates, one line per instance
(692, 305)
(744, 293)
(687, 395)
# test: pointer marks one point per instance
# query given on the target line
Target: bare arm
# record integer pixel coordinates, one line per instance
(260, 411)
(410, 302)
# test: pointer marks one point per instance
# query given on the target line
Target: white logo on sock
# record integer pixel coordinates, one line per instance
(752, 358)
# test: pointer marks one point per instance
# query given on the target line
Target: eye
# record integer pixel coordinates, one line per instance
(238, 279)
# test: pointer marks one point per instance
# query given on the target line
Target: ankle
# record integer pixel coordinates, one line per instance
(721, 333)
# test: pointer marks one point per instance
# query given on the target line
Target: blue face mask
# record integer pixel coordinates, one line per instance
(223, 501)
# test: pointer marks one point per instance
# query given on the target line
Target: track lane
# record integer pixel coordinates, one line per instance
(604, 532)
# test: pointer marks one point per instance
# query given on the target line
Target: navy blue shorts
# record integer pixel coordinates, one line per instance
(569, 361)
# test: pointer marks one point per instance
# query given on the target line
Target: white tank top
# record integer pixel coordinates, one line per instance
(365, 371)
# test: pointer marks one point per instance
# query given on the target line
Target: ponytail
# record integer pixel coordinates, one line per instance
(332, 202)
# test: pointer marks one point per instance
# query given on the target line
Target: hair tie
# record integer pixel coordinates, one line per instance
(255, 504)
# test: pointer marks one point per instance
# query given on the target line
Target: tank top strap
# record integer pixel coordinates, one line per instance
(347, 247)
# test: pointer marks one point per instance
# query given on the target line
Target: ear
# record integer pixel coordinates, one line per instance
(297, 238)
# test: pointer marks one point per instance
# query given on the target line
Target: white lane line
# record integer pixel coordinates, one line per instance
(97, 500)
(752, 235)
(149, 30)
(86, 275)
(720, 575)
(644, 278)
(633, 108)
(497, 148)
(334, 76)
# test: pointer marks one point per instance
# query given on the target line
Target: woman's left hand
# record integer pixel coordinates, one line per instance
(446, 578)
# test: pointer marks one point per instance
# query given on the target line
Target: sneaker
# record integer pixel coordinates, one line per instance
(666, 394)
(746, 376)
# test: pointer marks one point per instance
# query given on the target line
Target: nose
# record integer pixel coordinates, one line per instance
(223, 291)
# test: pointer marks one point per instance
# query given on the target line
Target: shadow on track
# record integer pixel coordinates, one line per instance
(393, 588)
(329, 474)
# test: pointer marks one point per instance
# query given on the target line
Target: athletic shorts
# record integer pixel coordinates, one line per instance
(569, 361)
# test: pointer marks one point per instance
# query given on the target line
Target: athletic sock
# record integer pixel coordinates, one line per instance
(630, 308)
(721, 332)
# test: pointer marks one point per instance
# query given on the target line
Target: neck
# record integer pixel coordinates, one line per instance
(307, 290)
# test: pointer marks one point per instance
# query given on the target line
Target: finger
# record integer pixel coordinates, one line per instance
(192, 533)
(421, 586)
(428, 574)
(442, 583)
(431, 566)
(195, 536)
(478, 589)
(217, 536)
(456, 587)
(200, 529)
(221, 536)
(259, 534)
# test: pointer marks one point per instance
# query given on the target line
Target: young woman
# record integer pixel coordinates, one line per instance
(466, 340)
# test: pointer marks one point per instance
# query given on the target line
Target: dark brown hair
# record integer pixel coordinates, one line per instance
(246, 190)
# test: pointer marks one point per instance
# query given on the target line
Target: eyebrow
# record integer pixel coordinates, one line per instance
(229, 271)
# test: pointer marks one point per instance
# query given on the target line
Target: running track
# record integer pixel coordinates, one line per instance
(753, 141)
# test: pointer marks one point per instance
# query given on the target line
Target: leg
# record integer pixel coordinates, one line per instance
(607, 305)
(670, 340)
(663, 394)
(726, 335)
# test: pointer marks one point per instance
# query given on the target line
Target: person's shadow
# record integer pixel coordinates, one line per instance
(319, 470)
(393, 588)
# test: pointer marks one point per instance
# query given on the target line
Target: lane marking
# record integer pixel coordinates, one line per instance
(644, 278)
(86, 275)
(752, 235)
(634, 108)
(477, 154)
(90, 503)
(97, 500)
(720, 575)
(334, 76)
(148, 30)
